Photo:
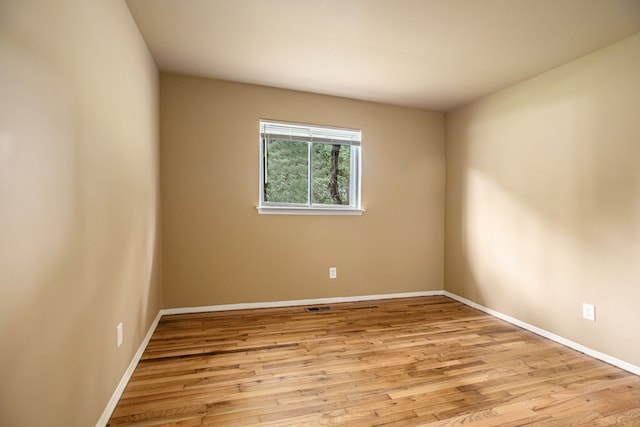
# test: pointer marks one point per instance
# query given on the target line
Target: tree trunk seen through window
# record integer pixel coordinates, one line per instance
(334, 193)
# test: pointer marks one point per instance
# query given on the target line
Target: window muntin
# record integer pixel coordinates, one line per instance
(309, 167)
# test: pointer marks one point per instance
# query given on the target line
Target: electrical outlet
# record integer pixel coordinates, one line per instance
(119, 334)
(333, 273)
(589, 311)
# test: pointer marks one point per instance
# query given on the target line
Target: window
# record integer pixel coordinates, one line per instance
(308, 169)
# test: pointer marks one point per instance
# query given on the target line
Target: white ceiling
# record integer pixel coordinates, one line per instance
(433, 54)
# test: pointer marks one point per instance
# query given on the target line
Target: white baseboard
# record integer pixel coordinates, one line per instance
(333, 300)
(546, 334)
(115, 397)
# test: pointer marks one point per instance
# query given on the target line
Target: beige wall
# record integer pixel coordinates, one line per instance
(543, 200)
(78, 195)
(217, 249)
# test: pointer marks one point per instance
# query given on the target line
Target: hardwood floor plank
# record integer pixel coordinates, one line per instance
(428, 361)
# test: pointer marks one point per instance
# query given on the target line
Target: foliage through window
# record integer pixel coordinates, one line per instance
(305, 166)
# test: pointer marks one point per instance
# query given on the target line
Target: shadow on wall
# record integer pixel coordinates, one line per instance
(77, 238)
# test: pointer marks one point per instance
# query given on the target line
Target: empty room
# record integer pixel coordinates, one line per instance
(319, 212)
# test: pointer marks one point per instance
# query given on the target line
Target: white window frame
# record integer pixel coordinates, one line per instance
(313, 134)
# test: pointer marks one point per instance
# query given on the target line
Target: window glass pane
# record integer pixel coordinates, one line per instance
(331, 174)
(286, 172)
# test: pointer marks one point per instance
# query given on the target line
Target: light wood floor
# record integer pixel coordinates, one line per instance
(419, 361)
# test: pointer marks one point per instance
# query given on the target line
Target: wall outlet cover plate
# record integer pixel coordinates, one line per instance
(589, 311)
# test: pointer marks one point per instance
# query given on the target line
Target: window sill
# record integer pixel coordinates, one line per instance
(275, 210)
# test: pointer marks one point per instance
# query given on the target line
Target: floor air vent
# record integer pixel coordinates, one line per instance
(317, 309)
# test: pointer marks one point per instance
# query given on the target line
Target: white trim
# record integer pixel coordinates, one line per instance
(323, 134)
(294, 303)
(546, 334)
(117, 394)
(277, 210)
